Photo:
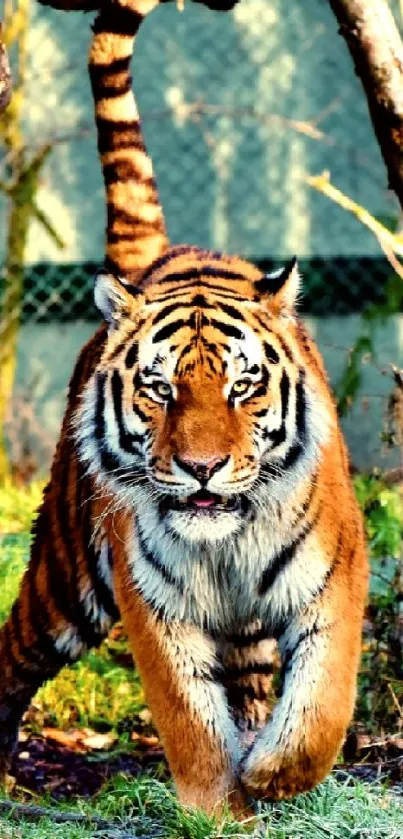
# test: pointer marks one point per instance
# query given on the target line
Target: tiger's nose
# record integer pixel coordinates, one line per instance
(202, 470)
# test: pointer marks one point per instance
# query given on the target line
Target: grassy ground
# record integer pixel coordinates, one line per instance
(102, 693)
(148, 808)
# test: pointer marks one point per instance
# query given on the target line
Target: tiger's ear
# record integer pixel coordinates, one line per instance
(114, 297)
(281, 289)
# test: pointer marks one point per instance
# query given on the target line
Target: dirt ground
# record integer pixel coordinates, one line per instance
(44, 766)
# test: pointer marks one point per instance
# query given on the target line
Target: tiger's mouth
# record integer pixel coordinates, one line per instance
(203, 503)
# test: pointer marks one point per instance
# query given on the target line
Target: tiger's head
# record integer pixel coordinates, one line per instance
(209, 397)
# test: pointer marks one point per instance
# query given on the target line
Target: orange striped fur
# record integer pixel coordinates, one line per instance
(200, 490)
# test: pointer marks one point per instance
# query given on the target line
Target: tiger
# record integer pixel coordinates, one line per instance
(200, 492)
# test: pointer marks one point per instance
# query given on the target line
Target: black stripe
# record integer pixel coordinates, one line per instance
(159, 566)
(263, 668)
(139, 413)
(205, 271)
(238, 693)
(102, 593)
(227, 329)
(285, 556)
(109, 461)
(198, 301)
(59, 588)
(106, 88)
(218, 291)
(270, 353)
(261, 390)
(119, 348)
(28, 677)
(123, 171)
(116, 135)
(297, 449)
(28, 653)
(300, 407)
(76, 379)
(307, 503)
(231, 311)
(266, 327)
(132, 356)
(91, 557)
(289, 655)
(292, 456)
(117, 20)
(39, 620)
(114, 68)
(169, 329)
(166, 311)
(66, 594)
(164, 260)
(125, 217)
(99, 418)
(241, 639)
(278, 435)
(128, 442)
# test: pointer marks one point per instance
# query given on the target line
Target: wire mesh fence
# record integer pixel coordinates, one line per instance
(239, 111)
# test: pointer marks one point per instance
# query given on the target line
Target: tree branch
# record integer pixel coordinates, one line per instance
(373, 39)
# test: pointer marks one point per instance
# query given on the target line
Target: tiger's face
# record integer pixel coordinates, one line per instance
(201, 402)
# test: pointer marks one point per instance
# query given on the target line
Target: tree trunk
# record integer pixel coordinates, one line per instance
(22, 210)
(371, 34)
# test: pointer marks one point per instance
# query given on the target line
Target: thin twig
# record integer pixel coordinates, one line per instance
(322, 184)
(395, 700)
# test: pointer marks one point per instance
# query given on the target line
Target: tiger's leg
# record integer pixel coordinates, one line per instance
(299, 745)
(248, 661)
(178, 668)
(61, 611)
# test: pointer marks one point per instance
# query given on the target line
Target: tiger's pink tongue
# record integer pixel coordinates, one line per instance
(202, 502)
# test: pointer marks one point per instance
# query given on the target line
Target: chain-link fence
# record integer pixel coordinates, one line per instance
(238, 110)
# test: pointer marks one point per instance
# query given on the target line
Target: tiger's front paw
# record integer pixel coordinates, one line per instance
(279, 776)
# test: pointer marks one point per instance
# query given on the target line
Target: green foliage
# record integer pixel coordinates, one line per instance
(381, 684)
(349, 385)
(382, 508)
(13, 558)
(18, 506)
(374, 316)
(96, 692)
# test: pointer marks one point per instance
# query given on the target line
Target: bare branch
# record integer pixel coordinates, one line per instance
(389, 241)
(373, 39)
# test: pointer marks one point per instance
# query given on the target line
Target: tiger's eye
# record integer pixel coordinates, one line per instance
(162, 389)
(240, 387)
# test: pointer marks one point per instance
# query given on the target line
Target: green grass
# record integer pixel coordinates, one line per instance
(148, 808)
(99, 693)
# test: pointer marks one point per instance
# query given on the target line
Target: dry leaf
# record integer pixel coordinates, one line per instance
(142, 740)
(100, 741)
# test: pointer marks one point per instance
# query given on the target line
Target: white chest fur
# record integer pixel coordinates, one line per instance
(219, 587)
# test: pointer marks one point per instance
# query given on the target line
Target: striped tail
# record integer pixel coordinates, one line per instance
(136, 233)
